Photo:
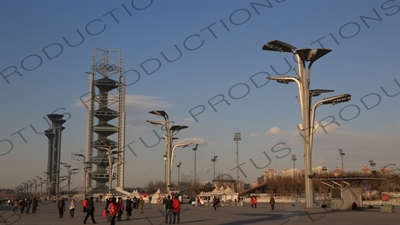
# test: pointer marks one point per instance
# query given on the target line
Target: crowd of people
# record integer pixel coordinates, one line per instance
(27, 205)
(116, 207)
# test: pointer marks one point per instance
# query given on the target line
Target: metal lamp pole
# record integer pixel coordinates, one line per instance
(165, 169)
(194, 176)
(41, 185)
(179, 172)
(168, 136)
(372, 164)
(294, 166)
(214, 159)
(303, 56)
(84, 173)
(237, 138)
(342, 154)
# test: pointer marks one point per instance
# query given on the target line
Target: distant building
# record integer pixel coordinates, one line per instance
(366, 170)
(337, 172)
(269, 174)
(291, 173)
(319, 170)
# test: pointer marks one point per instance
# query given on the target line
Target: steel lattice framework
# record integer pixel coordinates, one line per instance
(105, 125)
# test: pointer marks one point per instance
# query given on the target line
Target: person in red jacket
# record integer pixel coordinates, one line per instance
(113, 209)
(84, 204)
(176, 208)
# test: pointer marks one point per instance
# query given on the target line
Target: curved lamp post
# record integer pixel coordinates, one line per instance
(168, 136)
(214, 159)
(179, 172)
(304, 56)
(85, 174)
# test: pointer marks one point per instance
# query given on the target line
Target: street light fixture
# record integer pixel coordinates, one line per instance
(214, 159)
(237, 137)
(168, 136)
(110, 156)
(179, 172)
(342, 154)
(41, 186)
(194, 150)
(183, 145)
(372, 164)
(303, 56)
(294, 167)
(84, 165)
(68, 177)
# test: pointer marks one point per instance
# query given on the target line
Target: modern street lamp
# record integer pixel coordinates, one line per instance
(214, 159)
(110, 156)
(168, 136)
(372, 164)
(41, 186)
(85, 168)
(303, 55)
(111, 169)
(165, 169)
(179, 172)
(237, 138)
(294, 166)
(182, 145)
(342, 154)
(194, 176)
(70, 172)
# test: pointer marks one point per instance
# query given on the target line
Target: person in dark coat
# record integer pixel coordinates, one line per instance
(128, 208)
(272, 203)
(90, 211)
(168, 210)
(61, 207)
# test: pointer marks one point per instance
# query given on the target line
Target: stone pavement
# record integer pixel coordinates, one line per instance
(227, 215)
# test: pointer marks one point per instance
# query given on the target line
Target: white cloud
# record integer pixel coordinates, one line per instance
(254, 135)
(274, 131)
(212, 143)
(188, 119)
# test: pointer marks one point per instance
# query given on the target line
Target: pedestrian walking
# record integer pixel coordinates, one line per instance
(214, 202)
(120, 208)
(135, 202)
(128, 208)
(176, 208)
(72, 207)
(90, 211)
(28, 204)
(21, 204)
(272, 203)
(113, 210)
(255, 201)
(15, 205)
(34, 205)
(141, 204)
(61, 207)
(168, 210)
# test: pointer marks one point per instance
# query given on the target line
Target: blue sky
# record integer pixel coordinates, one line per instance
(221, 60)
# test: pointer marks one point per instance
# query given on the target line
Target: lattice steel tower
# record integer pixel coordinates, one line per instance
(105, 127)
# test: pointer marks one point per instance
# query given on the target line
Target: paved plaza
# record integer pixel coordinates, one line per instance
(227, 215)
